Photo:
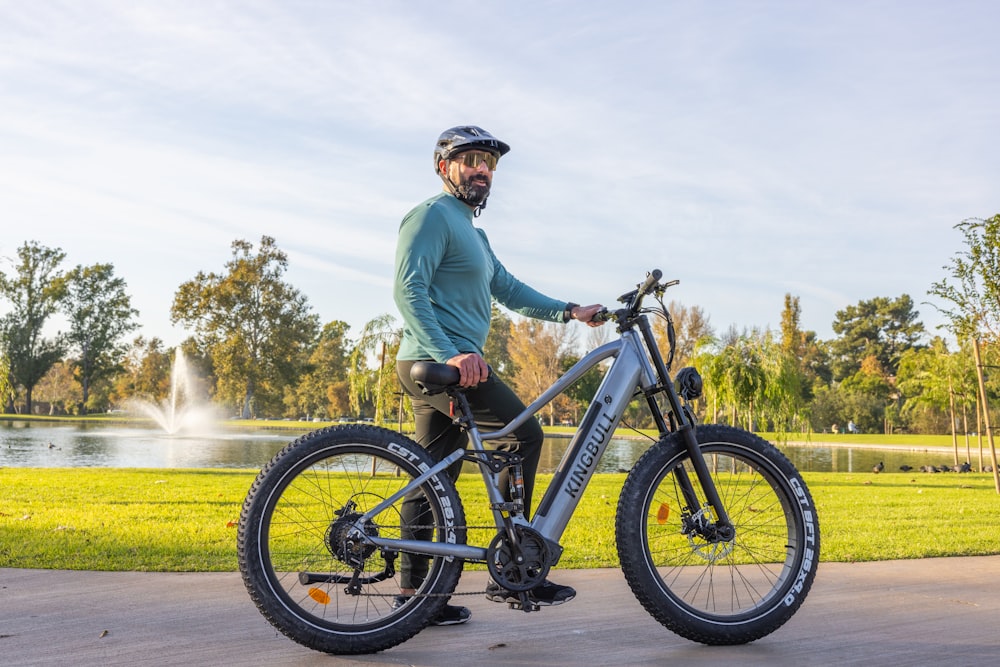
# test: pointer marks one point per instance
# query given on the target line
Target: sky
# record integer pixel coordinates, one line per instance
(749, 149)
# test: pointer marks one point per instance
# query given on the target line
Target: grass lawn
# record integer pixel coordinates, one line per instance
(185, 520)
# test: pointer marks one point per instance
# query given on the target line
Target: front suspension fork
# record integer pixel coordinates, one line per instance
(723, 525)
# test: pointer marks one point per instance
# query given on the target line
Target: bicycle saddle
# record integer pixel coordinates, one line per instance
(433, 378)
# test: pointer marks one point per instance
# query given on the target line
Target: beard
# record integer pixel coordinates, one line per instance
(474, 190)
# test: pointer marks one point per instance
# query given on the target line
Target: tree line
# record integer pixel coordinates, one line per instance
(263, 352)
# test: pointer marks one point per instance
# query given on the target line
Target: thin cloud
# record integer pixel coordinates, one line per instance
(750, 151)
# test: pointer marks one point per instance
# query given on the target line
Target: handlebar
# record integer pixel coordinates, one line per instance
(633, 299)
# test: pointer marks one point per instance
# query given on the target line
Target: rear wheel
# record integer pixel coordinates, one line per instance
(303, 562)
(703, 584)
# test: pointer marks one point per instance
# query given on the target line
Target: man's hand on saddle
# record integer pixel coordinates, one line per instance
(471, 366)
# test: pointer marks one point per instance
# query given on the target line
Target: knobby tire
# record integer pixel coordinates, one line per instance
(709, 590)
(289, 526)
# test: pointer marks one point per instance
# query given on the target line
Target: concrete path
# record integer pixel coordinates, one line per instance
(920, 612)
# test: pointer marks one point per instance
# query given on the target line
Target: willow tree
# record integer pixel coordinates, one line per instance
(935, 380)
(973, 291)
(750, 377)
(371, 369)
(257, 329)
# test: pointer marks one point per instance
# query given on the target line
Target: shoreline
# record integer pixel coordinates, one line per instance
(842, 441)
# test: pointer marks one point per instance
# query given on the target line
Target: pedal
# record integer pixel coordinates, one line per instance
(523, 604)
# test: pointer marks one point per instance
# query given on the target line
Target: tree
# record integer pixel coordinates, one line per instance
(59, 389)
(880, 327)
(372, 368)
(584, 390)
(868, 397)
(35, 292)
(537, 348)
(815, 365)
(255, 326)
(800, 348)
(581, 392)
(934, 381)
(691, 329)
(100, 313)
(145, 372)
(751, 378)
(793, 340)
(496, 350)
(6, 391)
(322, 391)
(974, 293)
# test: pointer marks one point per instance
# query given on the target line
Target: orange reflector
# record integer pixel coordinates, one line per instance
(319, 595)
(663, 513)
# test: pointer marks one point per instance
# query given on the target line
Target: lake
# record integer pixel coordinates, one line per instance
(51, 445)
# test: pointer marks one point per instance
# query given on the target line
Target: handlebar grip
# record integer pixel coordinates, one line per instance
(603, 315)
(651, 281)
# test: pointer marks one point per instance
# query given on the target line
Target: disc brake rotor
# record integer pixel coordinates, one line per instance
(703, 537)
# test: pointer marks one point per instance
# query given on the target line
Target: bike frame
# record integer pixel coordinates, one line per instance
(637, 365)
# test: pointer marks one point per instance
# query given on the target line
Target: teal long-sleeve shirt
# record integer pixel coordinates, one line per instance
(446, 274)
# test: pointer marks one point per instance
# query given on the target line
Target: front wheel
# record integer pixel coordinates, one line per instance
(299, 550)
(705, 584)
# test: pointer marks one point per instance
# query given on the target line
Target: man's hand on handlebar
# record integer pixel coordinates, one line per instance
(586, 314)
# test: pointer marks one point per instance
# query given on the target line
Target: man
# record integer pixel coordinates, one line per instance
(446, 278)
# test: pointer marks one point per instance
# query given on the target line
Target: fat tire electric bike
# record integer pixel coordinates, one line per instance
(716, 532)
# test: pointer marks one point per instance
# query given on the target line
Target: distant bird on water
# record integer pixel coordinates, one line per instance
(878, 468)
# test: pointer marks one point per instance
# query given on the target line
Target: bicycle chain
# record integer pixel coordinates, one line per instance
(434, 595)
(423, 595)
(432, 527)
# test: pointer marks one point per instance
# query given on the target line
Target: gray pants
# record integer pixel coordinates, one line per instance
(494, 405)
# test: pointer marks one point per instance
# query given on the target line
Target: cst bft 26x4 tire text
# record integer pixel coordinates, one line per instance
(707, 589)
(297, 563)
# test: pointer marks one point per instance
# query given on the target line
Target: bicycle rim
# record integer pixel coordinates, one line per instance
(297, 566)
(711, 590)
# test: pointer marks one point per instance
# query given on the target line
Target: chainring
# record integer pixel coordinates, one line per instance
(521, 566)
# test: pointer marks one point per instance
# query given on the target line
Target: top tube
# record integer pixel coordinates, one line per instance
(591, 359)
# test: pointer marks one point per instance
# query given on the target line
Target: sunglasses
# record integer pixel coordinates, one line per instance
(472, 159)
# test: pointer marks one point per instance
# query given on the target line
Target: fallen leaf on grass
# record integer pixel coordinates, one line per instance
(232, 524)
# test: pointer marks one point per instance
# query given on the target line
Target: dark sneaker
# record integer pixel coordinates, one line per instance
(449, 614)
(452, 615)
(547, 594)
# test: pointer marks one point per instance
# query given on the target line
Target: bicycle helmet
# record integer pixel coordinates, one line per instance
(466, 138)
(458, 140)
